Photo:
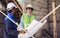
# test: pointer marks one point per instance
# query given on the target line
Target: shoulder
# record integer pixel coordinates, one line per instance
(24, 13)
(6, 19)
(33, 15)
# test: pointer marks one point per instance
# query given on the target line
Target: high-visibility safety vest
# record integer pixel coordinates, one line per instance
(27, 20)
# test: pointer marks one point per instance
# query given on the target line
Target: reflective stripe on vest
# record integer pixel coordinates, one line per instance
(27, 20)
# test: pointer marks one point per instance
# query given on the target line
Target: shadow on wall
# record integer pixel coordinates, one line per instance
(1, 24)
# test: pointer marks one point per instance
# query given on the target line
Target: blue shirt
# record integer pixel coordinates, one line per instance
(10, 16)
(10, 29)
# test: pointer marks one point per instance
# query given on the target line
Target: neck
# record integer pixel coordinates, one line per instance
(12, 14)
(28, 14)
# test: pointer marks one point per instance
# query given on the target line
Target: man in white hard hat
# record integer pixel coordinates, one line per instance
(27, 18)
(10, 29)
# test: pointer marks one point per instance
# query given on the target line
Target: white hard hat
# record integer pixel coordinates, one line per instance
(29, 6)
(10, 6)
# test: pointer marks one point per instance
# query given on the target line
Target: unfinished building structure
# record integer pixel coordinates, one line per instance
(41, 8)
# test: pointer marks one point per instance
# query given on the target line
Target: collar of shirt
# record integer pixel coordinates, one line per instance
(29, 15)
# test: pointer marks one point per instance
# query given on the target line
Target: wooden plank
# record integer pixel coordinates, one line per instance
(18, 6)
(54, 20)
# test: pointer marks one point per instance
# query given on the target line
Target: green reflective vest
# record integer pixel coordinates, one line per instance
(27, 20)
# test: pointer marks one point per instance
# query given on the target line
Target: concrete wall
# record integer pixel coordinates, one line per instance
(1, 20)
(1, 7)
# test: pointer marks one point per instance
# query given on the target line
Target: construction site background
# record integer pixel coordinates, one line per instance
(41, 8)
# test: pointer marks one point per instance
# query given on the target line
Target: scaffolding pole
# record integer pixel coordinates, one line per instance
(54, 19)
(18, 6)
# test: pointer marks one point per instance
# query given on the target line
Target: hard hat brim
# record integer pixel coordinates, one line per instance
(29, 8)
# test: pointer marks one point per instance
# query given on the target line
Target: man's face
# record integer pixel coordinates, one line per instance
(29, 10)
(13, 10)
(16, 12)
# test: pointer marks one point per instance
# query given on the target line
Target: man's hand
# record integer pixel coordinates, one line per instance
(22, 32)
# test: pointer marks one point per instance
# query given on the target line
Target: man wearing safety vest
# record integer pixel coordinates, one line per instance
(28, 17)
